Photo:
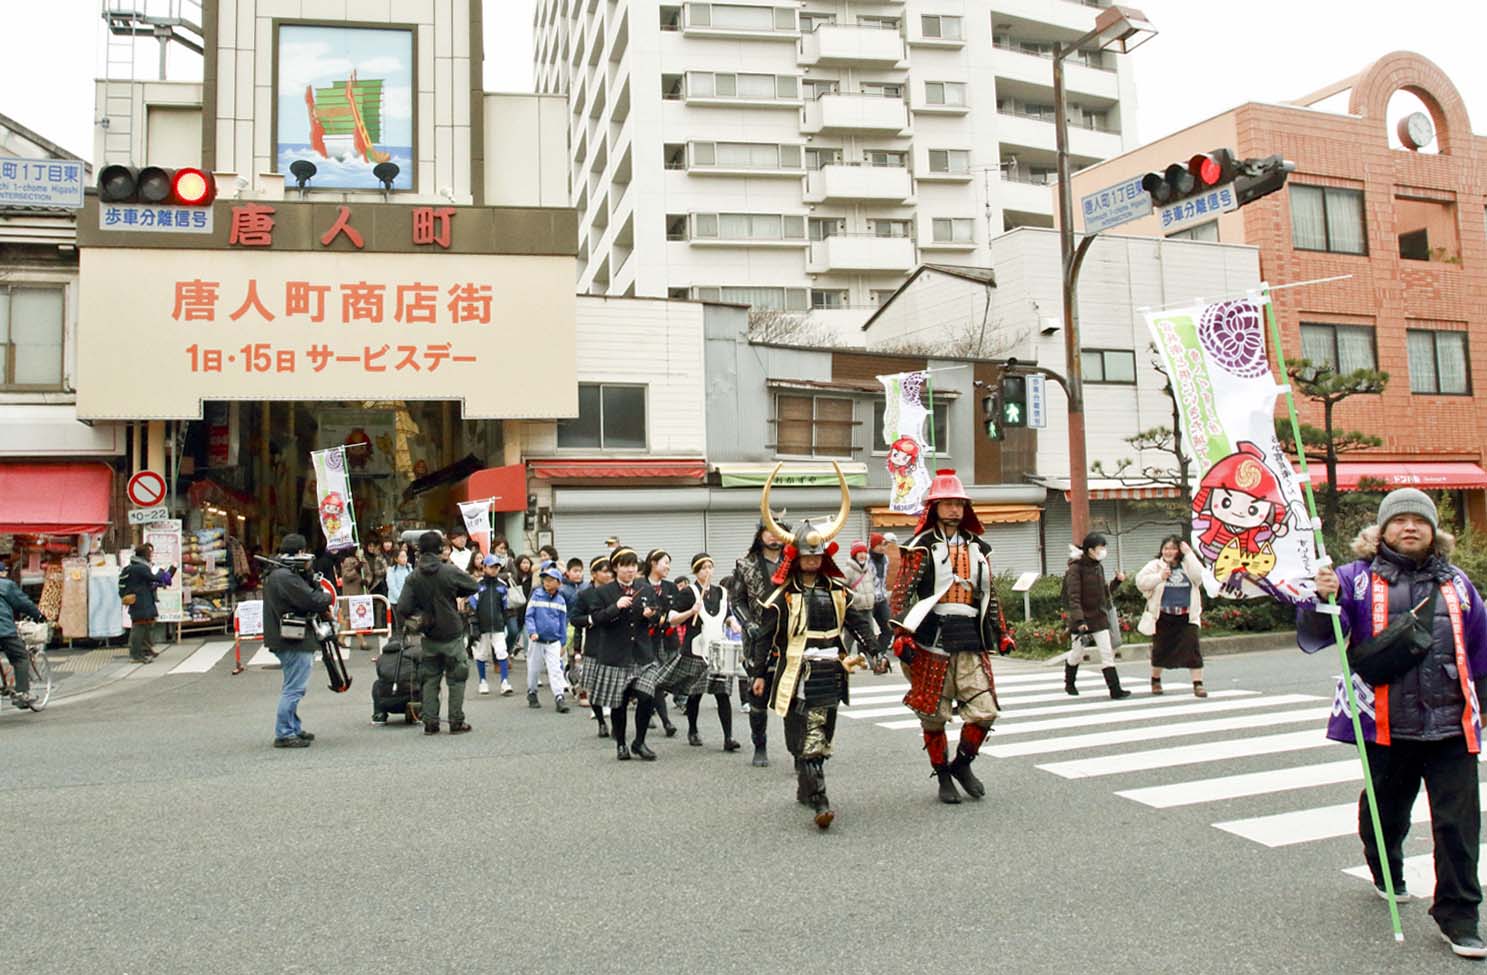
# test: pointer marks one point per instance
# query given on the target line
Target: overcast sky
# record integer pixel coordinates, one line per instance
(1207, 58)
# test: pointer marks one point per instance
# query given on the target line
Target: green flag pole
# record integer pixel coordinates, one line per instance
(1331, 609)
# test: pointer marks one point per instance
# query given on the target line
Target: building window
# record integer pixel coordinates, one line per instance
(937, 437)
(882, 89)
(810, 20)
(940, 27)
(747, 226)
(817, 157)
(813, 426)
(1108, 366)
(958, 230)
(1203, 231)
(766, 298)
(957, 161)
(736, 17)
(1342, 348)
(828, 298)
(1438, 363)
(824, 227)
(676, 226)
(753, 87)
(31, 329)
(671, 18)
(1325, 218)
(881, 296)
(609, 417)
(886, 158)
(1427, 230)
(891, 228)
(745, 155)
(673, 87)
(674, 155)
(947, 93)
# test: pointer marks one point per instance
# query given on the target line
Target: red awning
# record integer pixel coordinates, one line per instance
(508, 485)
(692, 470)
(1421, 474)
(55, 499)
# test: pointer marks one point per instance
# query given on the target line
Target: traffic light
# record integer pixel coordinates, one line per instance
(1261, 177)
(991, 413)
(187, 187)
(1014, 401)
(1198, 175)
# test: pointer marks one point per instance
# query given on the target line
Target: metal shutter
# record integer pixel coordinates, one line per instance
(1014, 548)
(582, 535)
(729, 533)
(1141, 537)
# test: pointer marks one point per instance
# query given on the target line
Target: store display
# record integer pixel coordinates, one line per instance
(73, 615)
(105, 610)
(50, 602)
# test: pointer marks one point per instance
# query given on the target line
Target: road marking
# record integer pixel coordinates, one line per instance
(202, 660)
(1208, 751)
(882, 707)
(1419, 873)
(264, 658)
(1010, 712)
(1179, 730)
(1306, 825)
(1021, 725)
(1248, 784)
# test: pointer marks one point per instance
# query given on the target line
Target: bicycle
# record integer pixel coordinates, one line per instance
(34, 636)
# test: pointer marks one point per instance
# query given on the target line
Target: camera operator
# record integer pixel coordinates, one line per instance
(291, 601)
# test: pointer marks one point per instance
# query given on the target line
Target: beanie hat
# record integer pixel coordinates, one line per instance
(1408, 501)
(858, 548)
(875, 539)
(1093, 540)
(292, 544)
(430, 542)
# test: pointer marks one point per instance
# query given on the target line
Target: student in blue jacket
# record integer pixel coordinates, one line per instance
(547, 629)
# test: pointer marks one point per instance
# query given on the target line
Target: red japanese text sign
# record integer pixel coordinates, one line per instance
(161, 331)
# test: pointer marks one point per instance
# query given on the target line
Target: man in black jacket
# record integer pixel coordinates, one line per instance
(289, 592)
(431, 591)
(140, 580)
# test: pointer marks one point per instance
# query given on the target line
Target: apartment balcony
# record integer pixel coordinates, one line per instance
(1075, 16)
(856, 113)
(1034, 68)
(1036, 132)
(851, 44)
(860, 253)
(857, 182)
(1030, 195)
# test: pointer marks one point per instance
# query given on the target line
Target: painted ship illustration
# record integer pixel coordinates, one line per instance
(346, 120)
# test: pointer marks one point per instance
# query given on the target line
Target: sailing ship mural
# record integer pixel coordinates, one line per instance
(345, 103)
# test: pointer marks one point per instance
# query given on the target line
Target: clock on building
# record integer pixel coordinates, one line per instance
(1416, 131)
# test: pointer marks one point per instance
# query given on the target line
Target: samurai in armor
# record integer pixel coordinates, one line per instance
(948, 621)
(747, 588)
(802, 664)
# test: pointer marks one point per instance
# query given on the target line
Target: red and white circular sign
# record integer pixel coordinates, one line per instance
(147, 489)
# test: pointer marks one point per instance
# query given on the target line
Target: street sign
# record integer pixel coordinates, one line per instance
(41, 183)
(148, 218)
(1115, 205)
(148, 516)
(1037, 401)
(1198, 209)
(146, 489)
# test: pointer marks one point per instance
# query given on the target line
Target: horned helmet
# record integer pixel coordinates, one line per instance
(808, 538)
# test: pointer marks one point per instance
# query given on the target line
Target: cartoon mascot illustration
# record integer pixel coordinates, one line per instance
(1237, 511)
(903, 466)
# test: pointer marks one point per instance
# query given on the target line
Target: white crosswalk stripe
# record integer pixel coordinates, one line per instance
(1209, 751)
(1419, 873)
(1323, 822)
(1251, 784)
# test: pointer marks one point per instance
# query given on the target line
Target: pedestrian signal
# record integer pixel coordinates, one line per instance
(1014, 401)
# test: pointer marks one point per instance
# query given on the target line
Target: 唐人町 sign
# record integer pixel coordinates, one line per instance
(161, 330)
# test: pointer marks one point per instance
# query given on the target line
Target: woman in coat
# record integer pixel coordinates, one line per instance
(862, 582)
(1174, 611)
(1089, 608)
(354, 572)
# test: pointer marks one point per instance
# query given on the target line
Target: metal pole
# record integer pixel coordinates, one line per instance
(1078, 458)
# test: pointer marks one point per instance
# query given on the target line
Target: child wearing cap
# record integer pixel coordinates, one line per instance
(489, 608)
(547, 628)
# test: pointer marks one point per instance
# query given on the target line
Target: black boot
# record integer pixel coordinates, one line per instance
(1112, 681)
(961, 770)
(603, 729)
(643, 750)
(1070, 672)
(622, 752)
(948, 793)
(815, 768)
(805, 783)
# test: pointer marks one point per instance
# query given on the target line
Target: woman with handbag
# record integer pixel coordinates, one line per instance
(1174, 611)
(1088, 605)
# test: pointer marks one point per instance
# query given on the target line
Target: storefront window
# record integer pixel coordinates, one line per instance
(609, 418)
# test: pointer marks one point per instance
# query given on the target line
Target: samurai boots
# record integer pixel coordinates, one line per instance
(1070, 672)
(971, 737)
(949, 795)
(937, 745)
(759, 729)
(1112, 681)
(805, 783)
(814, 769)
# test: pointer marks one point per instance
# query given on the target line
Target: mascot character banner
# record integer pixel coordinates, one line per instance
(333, 498)
(904, 417)
(477, 517)
(1250, 523)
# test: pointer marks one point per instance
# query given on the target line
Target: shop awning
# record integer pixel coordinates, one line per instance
(508, 485)
(1443, 475)
(612, 469)
(1112, 488)
(990, 514)
(791, 475)
(55, 499)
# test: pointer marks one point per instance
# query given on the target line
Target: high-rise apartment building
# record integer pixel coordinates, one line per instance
(807, 155)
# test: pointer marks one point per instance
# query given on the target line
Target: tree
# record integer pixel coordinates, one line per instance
(966, 339)
(786, 328)
(1322, 383)
(1161, 440)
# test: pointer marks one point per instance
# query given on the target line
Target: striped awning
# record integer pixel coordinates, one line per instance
(1112, 488)
(990, 514)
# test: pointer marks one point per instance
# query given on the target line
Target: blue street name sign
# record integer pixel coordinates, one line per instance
(1115, 205)
(41, 183)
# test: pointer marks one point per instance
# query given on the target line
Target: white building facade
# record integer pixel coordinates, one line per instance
(807, 156)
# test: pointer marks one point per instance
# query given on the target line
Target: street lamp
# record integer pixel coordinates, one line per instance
(1121, 29)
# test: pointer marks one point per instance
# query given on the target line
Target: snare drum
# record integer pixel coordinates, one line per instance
(725, 658)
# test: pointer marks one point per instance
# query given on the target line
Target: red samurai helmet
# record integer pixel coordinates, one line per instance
(807, 539)
(1243, 471)
(947, 487)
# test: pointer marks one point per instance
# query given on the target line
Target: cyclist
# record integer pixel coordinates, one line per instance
(13, 603)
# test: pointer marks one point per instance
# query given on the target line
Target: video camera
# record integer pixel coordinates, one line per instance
(303, 563)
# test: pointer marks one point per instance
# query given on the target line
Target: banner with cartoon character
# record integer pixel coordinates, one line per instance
(333, 498)
(1250, 522)
(904, 416)
(477, 517)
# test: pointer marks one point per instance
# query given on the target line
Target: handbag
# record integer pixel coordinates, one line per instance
(1399, 647)
(1114, 618)
(130, 599)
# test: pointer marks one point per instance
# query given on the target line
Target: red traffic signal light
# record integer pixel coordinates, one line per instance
(1213, 168)
(1200, 173)
(156, 185)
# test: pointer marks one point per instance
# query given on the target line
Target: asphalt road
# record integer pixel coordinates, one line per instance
(153, 830)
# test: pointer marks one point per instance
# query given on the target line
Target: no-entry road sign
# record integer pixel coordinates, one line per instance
(147, 489)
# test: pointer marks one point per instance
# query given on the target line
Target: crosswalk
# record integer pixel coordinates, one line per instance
(1253, 748)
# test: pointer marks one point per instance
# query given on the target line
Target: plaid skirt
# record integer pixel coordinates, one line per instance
(646, 677)
(684, 675)
(606, 684)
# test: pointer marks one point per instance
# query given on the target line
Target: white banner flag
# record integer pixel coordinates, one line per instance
(904, 416)
(477, 515)
(1250, 521)
(333, 498)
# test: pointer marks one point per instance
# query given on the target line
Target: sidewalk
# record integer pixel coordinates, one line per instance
(80, 671)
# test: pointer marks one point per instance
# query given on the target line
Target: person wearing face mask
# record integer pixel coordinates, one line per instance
(1088, 606)
(749, 585)
(1416, 631)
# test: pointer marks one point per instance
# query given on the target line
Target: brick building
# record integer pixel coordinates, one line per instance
(1407, 221)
